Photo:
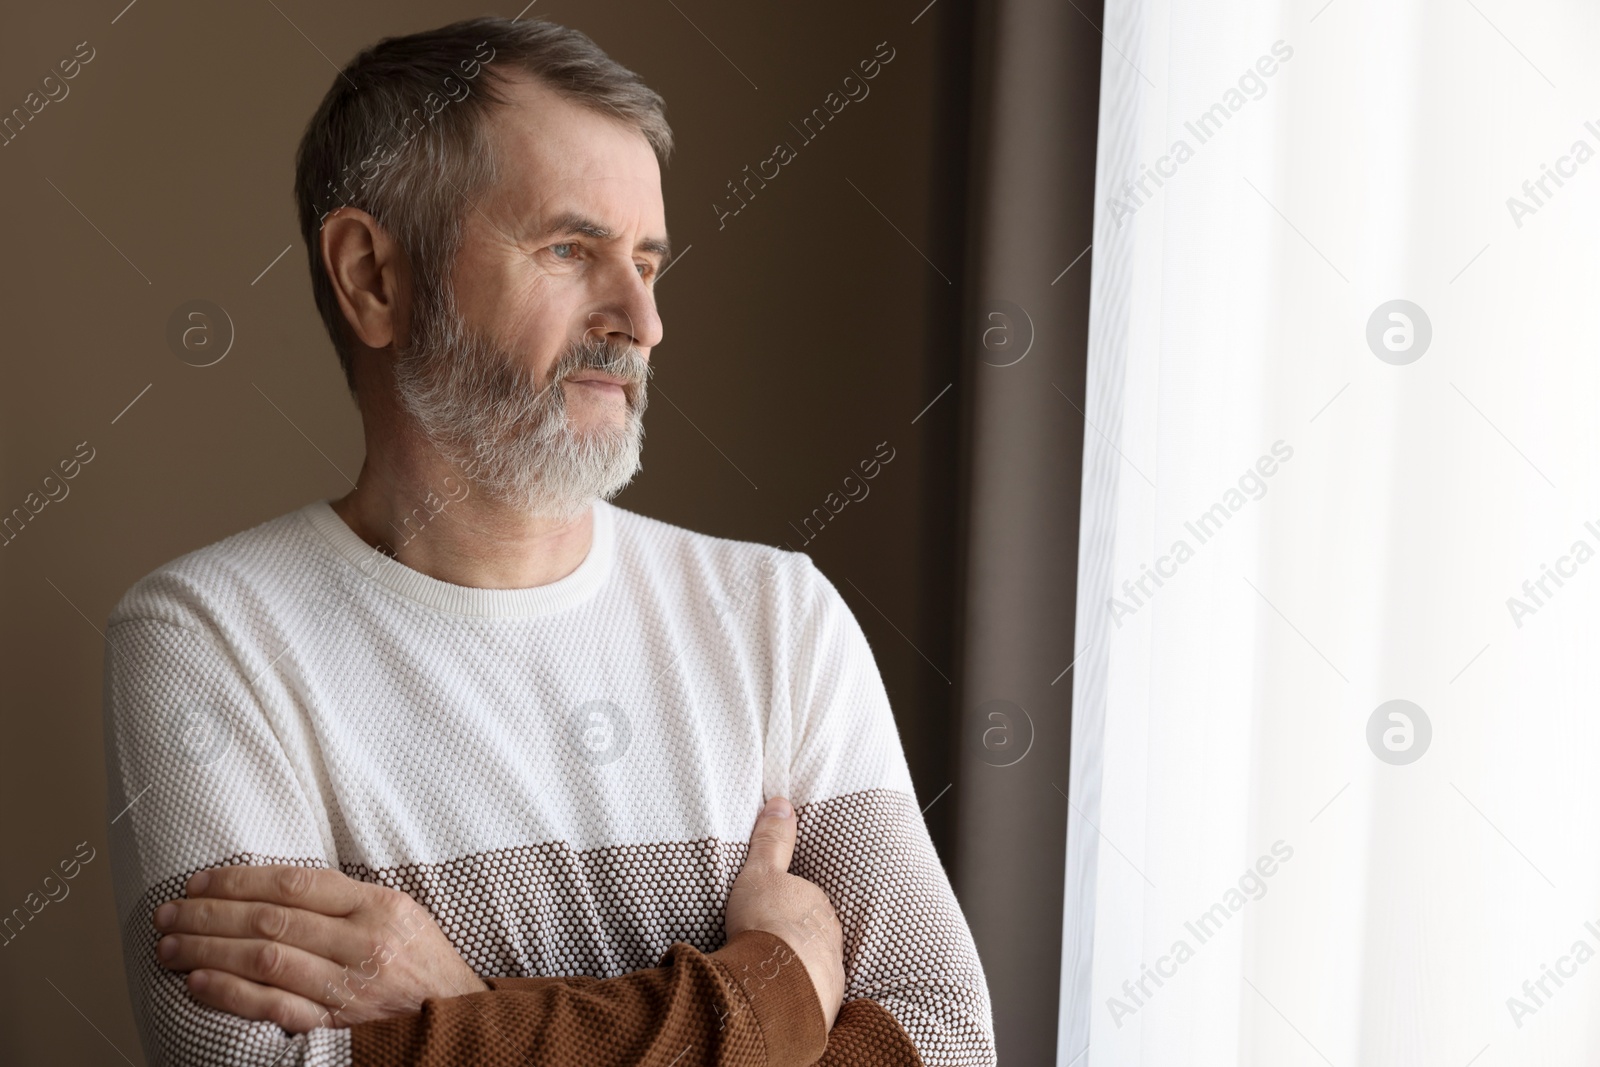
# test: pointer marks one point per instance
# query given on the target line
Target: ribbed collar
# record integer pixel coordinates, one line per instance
(557, 596)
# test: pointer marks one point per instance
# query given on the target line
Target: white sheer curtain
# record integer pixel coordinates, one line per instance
(1265, 864)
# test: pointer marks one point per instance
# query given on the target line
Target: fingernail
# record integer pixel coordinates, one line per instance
(165, 914)
(166, 948)
(198, 882)
(778, 807)
(198, 980)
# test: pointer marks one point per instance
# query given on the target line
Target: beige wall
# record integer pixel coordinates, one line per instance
(798, 337)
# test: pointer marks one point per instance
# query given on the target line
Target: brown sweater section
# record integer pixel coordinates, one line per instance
(910, 986)
(748, 1004)
(866, 1035)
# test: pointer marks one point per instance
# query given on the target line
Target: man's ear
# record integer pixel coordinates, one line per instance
(368, 272)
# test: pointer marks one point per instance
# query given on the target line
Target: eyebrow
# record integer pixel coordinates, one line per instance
(573, 222)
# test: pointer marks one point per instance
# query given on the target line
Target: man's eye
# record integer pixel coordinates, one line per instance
(562, 251)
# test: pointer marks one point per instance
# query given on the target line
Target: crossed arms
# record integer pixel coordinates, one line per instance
(414, 984)
(305, 948)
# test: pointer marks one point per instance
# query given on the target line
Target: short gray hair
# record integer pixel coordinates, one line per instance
(401, 135)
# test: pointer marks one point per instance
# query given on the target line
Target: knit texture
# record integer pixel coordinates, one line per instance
(708, 1016)
(564, 776)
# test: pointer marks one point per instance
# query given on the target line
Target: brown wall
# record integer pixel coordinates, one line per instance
(798, 337)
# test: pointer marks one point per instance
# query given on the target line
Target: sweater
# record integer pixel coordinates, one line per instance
(565, 776)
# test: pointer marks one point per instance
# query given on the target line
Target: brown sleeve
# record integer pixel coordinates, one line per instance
(749, 1004)
(866, 1035)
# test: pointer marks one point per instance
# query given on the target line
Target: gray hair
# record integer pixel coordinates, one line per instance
(401, 135)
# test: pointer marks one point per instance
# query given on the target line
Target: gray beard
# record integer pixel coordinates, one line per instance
(486, 415)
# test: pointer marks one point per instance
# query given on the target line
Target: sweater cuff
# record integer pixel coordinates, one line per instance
(775, 987)
(522, 985)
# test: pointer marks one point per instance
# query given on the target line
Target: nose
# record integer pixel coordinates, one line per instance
(629, 315)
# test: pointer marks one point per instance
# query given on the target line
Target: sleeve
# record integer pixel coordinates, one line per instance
(199, 777)
(749, 1003)
(196, 778)
(915, 991)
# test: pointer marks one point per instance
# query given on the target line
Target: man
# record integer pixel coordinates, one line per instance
(459, 768)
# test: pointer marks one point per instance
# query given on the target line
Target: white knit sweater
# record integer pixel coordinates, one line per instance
(565, 776)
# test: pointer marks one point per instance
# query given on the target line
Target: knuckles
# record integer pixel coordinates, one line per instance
(270, 921)
(269, 962)
(262, 904)
(294, 882)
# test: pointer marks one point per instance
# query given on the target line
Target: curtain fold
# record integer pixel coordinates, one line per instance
(1036, 73)
(1332, 742)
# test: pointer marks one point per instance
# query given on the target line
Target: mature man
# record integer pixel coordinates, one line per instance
(459, 768)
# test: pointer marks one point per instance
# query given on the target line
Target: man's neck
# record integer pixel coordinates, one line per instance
(444, 528)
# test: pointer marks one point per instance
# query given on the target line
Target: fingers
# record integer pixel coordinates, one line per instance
(248, 1000)
(309, 888)
(267, 962)
(321, 935)
(772, 840)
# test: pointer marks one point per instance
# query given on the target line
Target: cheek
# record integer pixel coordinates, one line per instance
(536, 334)
(484, 290)
(527, 302)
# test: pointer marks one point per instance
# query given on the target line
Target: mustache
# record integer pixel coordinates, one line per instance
(618, 359)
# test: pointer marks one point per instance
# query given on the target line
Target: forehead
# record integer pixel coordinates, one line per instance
(554, 153)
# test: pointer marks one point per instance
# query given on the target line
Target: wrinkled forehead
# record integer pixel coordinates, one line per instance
(549, 147)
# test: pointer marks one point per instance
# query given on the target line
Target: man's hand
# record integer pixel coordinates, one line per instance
(304, 948)
(766, 897)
